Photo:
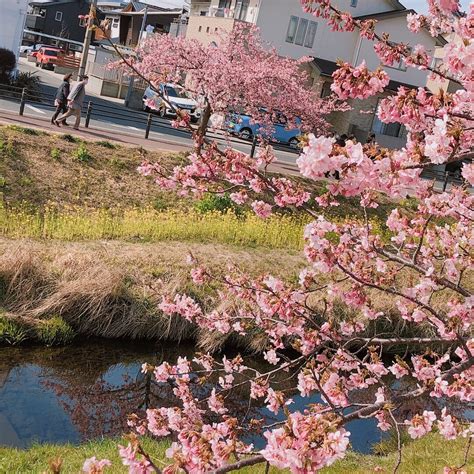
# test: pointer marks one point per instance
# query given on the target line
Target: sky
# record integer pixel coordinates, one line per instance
(420, 5)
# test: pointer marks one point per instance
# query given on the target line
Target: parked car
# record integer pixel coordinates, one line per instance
(242, 126)
(47, 57)
(176, 95)
(24, 49)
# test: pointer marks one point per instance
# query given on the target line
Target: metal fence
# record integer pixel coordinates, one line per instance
(98, 110)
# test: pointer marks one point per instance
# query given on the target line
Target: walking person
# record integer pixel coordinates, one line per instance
(74, 102)
(61, 98)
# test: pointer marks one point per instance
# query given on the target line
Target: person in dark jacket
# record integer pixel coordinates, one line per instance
(61, 98)
(75, 100)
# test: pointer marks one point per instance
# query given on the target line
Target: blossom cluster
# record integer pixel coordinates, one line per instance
(358, 82)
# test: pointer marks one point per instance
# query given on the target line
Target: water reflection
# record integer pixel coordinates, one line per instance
(85, 391)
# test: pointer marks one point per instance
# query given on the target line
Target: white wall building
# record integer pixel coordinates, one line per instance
(296, 34)
(12, 23)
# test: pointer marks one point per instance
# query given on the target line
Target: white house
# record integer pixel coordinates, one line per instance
(13, 17)
(295, 34)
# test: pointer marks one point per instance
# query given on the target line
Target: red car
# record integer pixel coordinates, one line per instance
(47, 57)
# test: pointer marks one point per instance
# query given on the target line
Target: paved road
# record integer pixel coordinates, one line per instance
(113, 115)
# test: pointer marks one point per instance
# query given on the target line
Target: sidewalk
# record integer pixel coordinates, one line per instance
(92, 133)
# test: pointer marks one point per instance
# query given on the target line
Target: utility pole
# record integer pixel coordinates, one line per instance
(88, 37)
(132, 79)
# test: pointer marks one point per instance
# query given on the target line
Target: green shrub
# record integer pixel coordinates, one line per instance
(118, 164)
(82, 155)
(69, 138)
(29, 81)
(7, 65)
(7, 148)
(160, 204)
(55, 332)
(12, 332)
(3, 181)
(106, 144)
(25, 181)
(55, 154)
(25, 130)
(215, 202)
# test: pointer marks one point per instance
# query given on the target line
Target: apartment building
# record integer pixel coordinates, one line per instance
(436, 83)
(58, 18)
(13, 22)
(295, 34)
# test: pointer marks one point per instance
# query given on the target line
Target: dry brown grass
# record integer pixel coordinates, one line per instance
(40, 168)
(111, 289)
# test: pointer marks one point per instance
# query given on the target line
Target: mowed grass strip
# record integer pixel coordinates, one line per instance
(428, 455)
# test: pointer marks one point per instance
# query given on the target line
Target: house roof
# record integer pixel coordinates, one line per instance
(141, 6)
(47, 4)
(440, 40)
(153, 13)
(384, 15)
(326, 68)
(397, 5)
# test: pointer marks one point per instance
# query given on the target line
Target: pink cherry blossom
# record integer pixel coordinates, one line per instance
(468, 173)
(216, 404)
(262, 209)
(94, 466)
(419, 425)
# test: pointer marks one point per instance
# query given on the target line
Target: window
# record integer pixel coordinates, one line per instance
(436, 63)
(59, 16)
(301, 32)
(207, 30)
(291, 33)
(401, 66)
(310, 35)
(241, 9)
(326, 90)
(353, 3)
(200, 29)
(390, 129)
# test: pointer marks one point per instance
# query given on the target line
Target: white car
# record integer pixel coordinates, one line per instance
(174, 94)
(30, 49)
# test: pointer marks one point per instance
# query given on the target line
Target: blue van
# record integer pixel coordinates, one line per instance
(242, 126)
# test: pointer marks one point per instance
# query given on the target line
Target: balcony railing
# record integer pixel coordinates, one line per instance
(34, 22)
(233, 13)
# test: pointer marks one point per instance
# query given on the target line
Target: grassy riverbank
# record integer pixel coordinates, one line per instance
(112, 289)
(426, 456)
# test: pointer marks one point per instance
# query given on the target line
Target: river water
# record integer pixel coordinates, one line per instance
(84, 391)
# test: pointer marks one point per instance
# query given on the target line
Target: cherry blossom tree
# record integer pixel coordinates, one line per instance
(235, 73)
(422, 261)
